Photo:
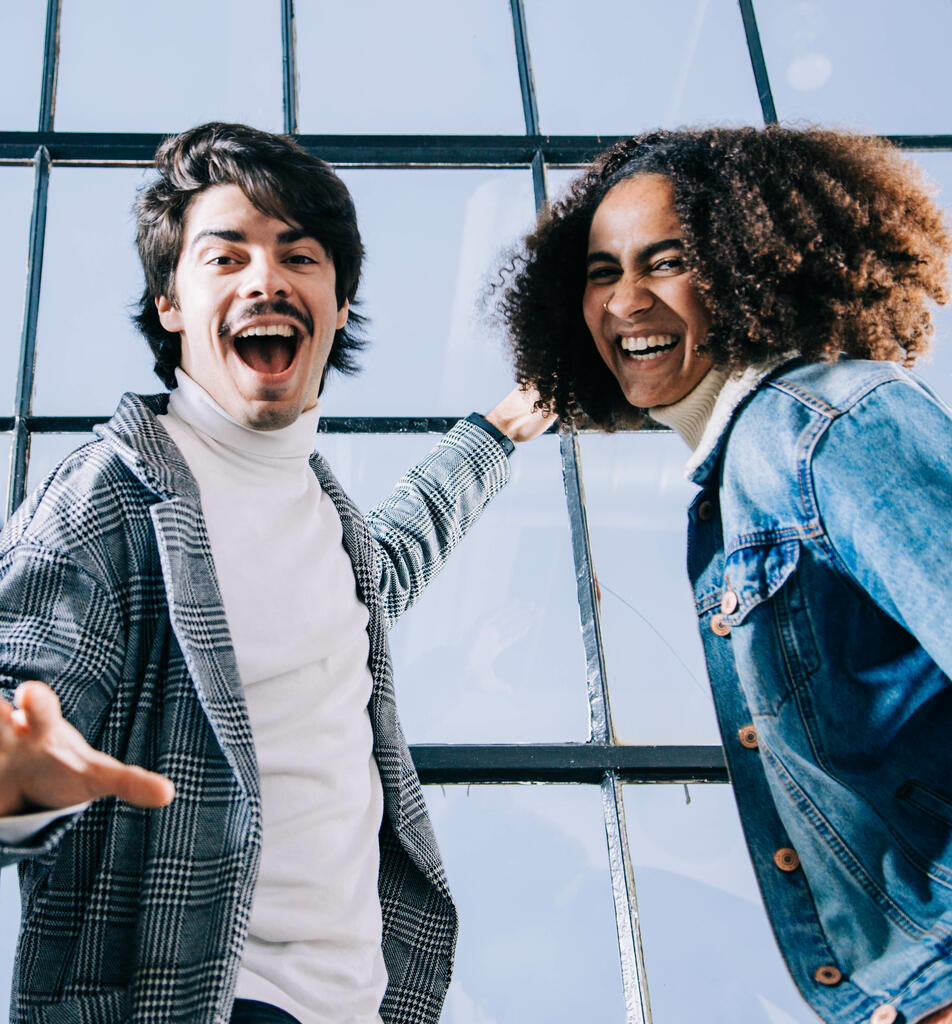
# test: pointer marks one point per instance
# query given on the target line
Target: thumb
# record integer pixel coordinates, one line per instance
(39, 705)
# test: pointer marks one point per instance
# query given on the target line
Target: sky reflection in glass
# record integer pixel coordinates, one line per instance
(529, 872)
(165, 67)
(16, 201)
(636, 65)
(492, 652)
(22, 29)
(415, 66)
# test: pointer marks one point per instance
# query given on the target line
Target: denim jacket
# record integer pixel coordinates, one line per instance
(820, 552)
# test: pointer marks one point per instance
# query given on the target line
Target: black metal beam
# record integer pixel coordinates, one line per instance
(566, 762)
(759, 65)
(289, 67)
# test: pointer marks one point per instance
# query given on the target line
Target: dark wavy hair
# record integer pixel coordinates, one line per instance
(809, 241)
(281, 180)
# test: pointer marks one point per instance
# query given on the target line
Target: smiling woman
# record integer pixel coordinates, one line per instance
(752, 289)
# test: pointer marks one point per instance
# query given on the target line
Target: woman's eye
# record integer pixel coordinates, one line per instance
(600, 275)
(670, 264)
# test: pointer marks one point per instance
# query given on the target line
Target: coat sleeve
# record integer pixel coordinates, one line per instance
(882, 479)
(431, 509)
(58, 624)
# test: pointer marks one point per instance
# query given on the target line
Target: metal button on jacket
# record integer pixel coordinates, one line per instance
(747, 735)
(719, 626)
(705, 511)
(828, 975)
(786, 859)
(729, 602)
(884, 1014)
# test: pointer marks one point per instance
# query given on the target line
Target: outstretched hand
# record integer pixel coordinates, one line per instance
(45, 762)
(517, 417)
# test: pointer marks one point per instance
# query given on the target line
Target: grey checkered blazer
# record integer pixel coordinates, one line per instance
(108, 593)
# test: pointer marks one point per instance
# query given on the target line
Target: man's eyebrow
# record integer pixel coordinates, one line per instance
(294, 235)
(643, 255)
(223, 234)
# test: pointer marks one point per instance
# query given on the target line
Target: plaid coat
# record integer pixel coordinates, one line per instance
(108, 593)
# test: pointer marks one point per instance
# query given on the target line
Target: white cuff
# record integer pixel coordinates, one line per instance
(16, 828)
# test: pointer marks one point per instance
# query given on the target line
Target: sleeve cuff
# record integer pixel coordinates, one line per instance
(505, 443)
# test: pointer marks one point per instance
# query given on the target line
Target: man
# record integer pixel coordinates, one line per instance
(209, 607)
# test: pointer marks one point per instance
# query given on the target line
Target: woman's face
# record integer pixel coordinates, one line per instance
(644, 313)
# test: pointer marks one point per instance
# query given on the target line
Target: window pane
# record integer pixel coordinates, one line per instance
(22, 28)
(936, 368)
(16, 202)
(636, 65)
(88, 352)
(492, 653)
(432, 237)
(637, 499)
(165, 67)
(47, 451)
(417, 66)
(702, 920)
(6, 446)
(876, 66)
(529, 872)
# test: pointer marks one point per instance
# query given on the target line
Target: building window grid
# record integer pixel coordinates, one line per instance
(601, 761)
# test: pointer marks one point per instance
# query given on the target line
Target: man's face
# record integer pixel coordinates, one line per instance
(256, 309)
(644, 314)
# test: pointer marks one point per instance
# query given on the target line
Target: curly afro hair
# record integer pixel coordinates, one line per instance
(816, 242)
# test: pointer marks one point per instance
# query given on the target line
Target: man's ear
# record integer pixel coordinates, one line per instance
(169, 316)
(342, 314)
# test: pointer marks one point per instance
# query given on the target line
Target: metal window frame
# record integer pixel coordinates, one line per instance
(599, 762)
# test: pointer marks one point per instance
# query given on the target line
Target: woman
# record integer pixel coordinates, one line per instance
(756, 290)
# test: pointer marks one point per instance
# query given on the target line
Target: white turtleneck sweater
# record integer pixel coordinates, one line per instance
(299, 635)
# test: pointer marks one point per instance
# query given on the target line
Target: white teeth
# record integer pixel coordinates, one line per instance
(651, 341)
(282, 330)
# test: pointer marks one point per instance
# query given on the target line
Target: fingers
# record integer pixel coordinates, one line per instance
(130, 783)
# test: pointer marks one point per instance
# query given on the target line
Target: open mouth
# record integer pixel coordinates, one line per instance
(269, 349)
(650, 346)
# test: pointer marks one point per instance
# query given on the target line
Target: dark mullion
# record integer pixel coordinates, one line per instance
(756, 51)
(104, 149)
(289, 67)
(50, 66)
(581, 763)
(24, 393)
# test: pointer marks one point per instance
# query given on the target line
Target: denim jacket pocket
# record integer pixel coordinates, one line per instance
(925, 834)
(768, 602)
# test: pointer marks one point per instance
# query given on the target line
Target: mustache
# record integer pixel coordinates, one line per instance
(276, 307)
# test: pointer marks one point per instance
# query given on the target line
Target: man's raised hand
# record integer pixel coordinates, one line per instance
(46, 763)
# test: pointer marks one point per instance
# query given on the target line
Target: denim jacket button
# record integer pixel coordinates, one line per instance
(705, 511)
(787, 859)
(828, 975)
(884, 1014)
(719, 626)
(747, 735)
(729, 602)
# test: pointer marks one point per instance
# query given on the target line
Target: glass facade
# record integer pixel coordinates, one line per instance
(551, 681)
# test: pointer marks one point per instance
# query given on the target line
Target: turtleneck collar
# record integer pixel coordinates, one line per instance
(690, 415)
(192, 404)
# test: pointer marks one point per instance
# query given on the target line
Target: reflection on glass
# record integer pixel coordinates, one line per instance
(701, 914)
(88, 352)
(418, 66)
(637, 499)
(164, 67)
(6, 446)
(877, 67)
(47, 451)
(492, 653)
(630, 66)
(16, 201)
(528, 869)
(22, 29)
(432, 239)
(936, 368)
